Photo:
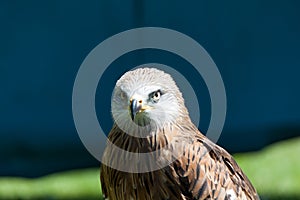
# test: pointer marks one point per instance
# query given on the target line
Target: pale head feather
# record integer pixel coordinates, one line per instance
(142, 82)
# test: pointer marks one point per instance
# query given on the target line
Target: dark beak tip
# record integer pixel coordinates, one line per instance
(132, 116)
(134, 108)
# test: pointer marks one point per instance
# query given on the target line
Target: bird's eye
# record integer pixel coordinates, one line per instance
(155, 96)
(122, 95)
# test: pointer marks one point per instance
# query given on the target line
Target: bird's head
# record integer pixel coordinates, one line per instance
(147, 96)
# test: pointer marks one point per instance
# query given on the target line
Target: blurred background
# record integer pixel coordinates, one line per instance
(255, 45)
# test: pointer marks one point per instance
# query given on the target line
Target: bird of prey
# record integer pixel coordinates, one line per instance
(146, 102)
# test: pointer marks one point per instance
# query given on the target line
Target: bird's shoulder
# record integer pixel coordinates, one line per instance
(206, 170)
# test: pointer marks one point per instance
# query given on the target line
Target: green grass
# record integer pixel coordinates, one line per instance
(78, 184)
(274, 171)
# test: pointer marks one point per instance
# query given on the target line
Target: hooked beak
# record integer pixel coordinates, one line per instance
(135, 107)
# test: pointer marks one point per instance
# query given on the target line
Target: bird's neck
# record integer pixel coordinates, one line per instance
(153, 138)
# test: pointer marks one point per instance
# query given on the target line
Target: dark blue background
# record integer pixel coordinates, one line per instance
(255, 45)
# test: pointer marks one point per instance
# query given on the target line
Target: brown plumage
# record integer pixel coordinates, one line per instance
(200, 170)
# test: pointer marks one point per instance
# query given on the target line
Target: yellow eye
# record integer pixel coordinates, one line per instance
(155, 96)
(122, 95)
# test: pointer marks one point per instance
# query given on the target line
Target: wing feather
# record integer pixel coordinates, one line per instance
(212, 173)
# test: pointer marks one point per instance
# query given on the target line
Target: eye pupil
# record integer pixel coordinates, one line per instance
(155, 96)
